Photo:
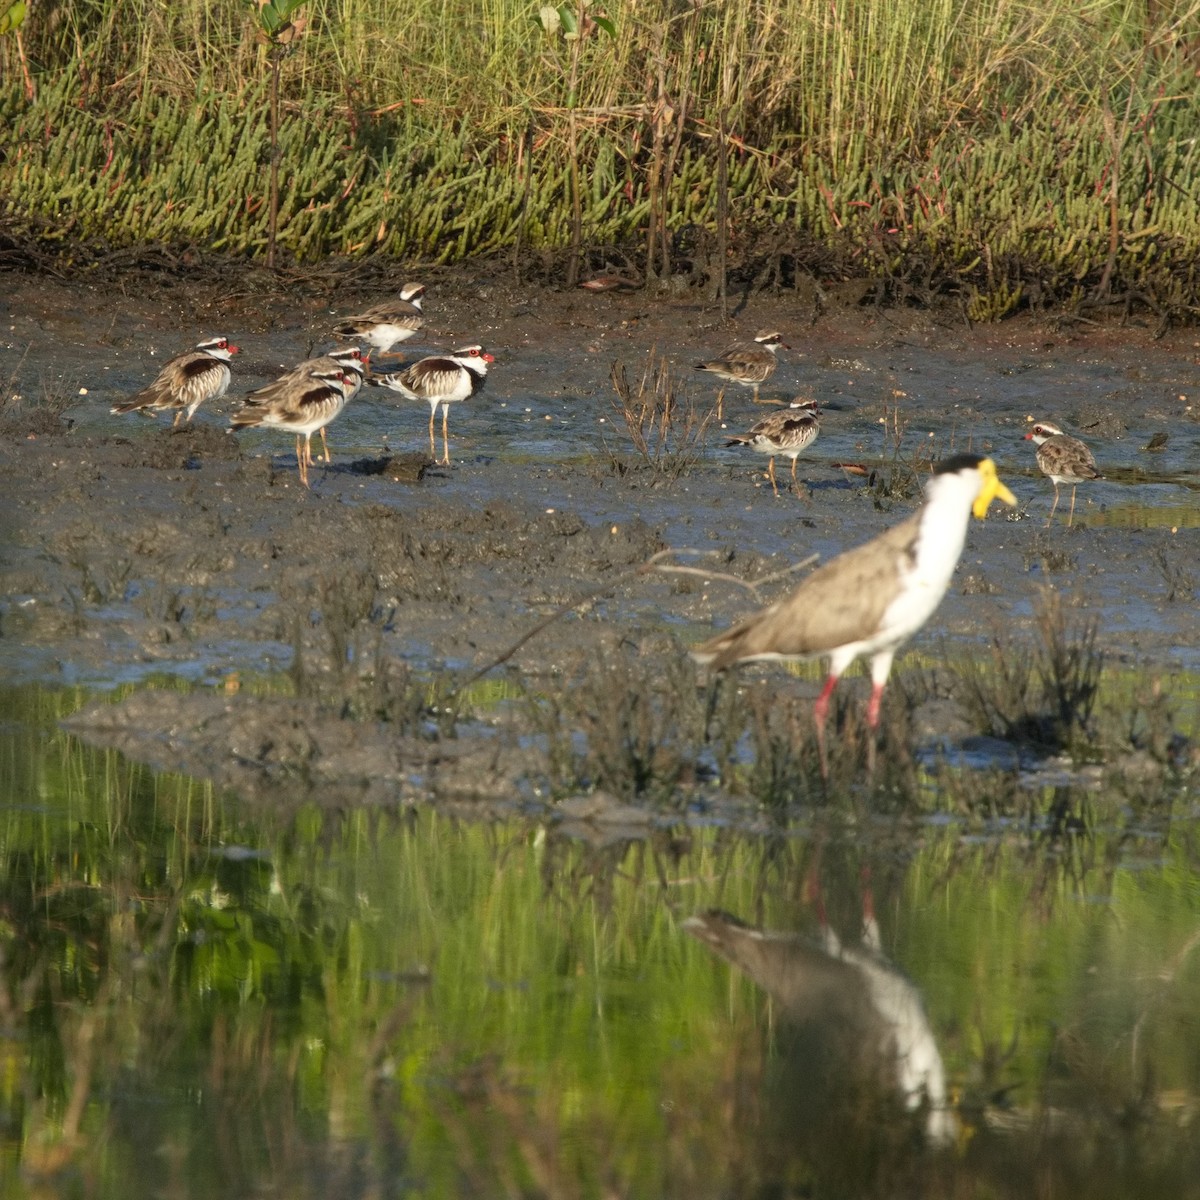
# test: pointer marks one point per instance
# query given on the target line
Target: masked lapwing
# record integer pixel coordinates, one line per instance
(869, 600)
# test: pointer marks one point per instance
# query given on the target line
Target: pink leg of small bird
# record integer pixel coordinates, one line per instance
(432, 446)
(301, 465)
(796, 485)
(1052, 507)
(325, 444)
(446, 434)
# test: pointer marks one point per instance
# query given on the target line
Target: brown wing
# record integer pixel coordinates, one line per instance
(793, 425)
(422, 373)
(181, 380)
(436, 376)
(399, 313)
(741, 359)
(313, 400)
(269, 393)
(771, 426)
(1063, 455)
(777, 428)
(397, 310)
(286, 406)
(196, 367)
(839, 603)
(749, 359)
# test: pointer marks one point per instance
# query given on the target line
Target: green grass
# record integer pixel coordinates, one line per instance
(1010, 154)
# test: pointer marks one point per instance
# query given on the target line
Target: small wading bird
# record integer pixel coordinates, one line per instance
(1065, 459)
(186, 381)
(749, 363)
(386, 324)
(301, 402)
(869, 600)
(351, 360)
(788, 433)
(440, 379)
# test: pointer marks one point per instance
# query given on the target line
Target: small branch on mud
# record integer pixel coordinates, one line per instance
(653, 563)
(804, 562)
(643, 568)
(723, 578)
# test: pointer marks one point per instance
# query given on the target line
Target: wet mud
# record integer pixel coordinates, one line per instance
(130, 551)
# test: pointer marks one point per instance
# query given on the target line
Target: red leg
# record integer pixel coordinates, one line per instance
(873, 706)
(873, 726)
(820, 712)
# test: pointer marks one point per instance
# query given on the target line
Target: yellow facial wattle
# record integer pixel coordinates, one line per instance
(990, 489)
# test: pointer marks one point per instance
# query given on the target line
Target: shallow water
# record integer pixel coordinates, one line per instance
(549, 398)
(211, 1000)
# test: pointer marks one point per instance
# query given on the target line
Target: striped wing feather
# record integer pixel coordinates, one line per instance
(749, 362)
(793, 425)
(284, 408)
(434, 377)
(364, 322)
(185, 380)
(1067, 457)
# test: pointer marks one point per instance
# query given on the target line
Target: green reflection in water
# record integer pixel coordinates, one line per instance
(203, 1000)
(1182, 515)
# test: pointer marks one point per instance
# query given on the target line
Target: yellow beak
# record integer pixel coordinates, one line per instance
(990, 489)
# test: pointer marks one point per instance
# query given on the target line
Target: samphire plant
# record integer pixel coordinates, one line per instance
(279, 28)
(575, 22)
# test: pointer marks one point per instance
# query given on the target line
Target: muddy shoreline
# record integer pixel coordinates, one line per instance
(129, 551)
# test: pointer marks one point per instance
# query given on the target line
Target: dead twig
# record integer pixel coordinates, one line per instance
(653, 563)
(604, 589)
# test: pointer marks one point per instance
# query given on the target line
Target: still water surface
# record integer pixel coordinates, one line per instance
(199, 998)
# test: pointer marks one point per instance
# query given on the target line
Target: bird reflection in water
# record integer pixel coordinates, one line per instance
(852, 1026)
